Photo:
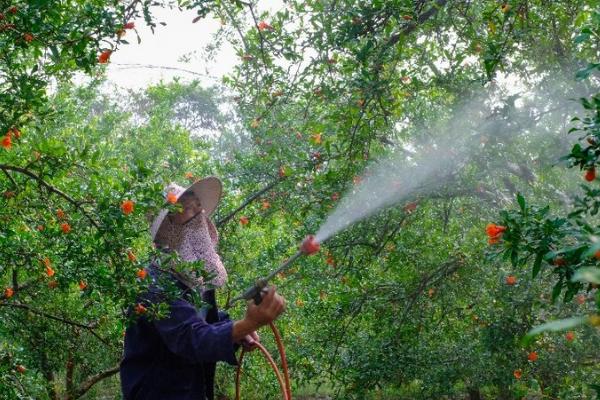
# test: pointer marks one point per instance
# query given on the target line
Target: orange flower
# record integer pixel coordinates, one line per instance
(60, 214)
(244, 220)
(40, 228)
(49, 271)
(590, 174)
(131, 256)
(533, 356)
(570, 336)
(20, 369)
(407, 17)
(299, 303)
(28, 37)
(14, 132)
(140, 309)
(8, 292)
(511, 280)
(431, 292)
(82, 285)
(127, 207)
(47, 262)
(53, 284)
(410, 207)
(189, 175)
(517, 373)
(494, 232)
(172, 197)
(597, 254)
(330, 260)
(6, 142)
(141, 273)
(281, 172)
(316, 138)
(104, 56)
(129, 25)
(266, 205)
(559, 261)
(66, 228)
(262, 25)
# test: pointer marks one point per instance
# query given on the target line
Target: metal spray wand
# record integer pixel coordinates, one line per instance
(308, 246)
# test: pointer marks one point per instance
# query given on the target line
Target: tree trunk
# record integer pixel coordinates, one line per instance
(474, 394)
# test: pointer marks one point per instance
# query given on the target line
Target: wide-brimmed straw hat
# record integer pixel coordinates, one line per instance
(207, 190)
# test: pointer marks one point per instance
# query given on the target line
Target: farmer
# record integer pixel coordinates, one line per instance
(175, 357)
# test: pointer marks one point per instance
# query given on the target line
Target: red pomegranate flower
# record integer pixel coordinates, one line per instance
(141, 273)
(6, 142)
(127, 207)
(104, 56)
(172, 197)
(590, 174)
(518, 373)
(570, 336)
(262, 25)
(533, 356)
(494, 232)
(66, 228)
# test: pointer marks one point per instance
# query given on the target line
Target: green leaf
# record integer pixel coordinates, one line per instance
(514, 258)
(537, 264)
(596, 388)
(556, 326)
(584, 73)
(589, 274)
(556, 290)
(521, 201)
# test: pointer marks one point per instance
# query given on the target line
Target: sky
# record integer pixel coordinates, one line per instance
(129, 66)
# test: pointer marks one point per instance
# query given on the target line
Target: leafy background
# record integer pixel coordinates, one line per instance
(410, 303)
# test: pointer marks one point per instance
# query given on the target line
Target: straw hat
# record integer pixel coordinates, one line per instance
(207, 190)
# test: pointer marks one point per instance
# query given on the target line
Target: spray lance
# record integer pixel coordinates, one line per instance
(308, 246)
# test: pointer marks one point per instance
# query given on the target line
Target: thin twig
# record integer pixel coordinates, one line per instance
(248, 201)
(50, 188)
(56, 318)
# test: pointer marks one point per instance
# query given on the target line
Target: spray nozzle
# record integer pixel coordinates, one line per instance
(310, 245)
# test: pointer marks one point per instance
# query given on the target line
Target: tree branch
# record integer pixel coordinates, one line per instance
(92, 380)
(50, 188)
(248, 201)
(56, 318)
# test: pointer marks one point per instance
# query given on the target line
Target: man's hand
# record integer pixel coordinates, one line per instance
(268, 310)
(249, 342)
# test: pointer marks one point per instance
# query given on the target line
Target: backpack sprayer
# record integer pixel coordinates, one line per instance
(308, 246)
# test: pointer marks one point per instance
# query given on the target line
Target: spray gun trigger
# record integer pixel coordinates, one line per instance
(261, 287)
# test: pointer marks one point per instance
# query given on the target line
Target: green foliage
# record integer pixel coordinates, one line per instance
(404, 304)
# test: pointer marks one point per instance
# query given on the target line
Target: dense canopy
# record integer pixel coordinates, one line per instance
(446, 149)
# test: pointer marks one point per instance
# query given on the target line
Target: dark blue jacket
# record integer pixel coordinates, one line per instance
(175, 357)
